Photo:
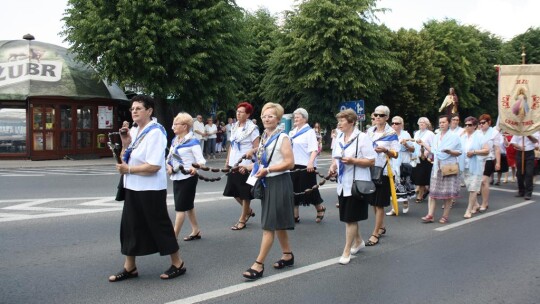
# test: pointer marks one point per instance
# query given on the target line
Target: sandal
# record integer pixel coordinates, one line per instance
(297, 219)
(251, 214)
(443, 220)
(371, 243)
(383, 231)
(285, 263)
(427, 219)
(319, 218)
(174, 272)
(124, 275)
(419, 200)
(237, 226)
(193, 237)
(253, 274)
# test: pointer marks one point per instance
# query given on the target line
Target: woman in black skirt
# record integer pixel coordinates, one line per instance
(145, 226)
(275, 159)
(353, 155)
(244, 138)
(386, 143)
(185, 150)
(305, 150)
(421, 174)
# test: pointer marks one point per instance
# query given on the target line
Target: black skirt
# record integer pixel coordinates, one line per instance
(352, 210)
(146, 227)
(504, 164)
(421, 174)
(381, 197)
(236, 186)
(303, 180)
(184, 193)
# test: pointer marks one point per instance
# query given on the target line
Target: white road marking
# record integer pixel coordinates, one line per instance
(482, 216)
(265, 280)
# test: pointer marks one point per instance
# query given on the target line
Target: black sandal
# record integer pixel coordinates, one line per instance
(124, 275)
(250, 215)
(253, 274)
(371, 243)
(237, 227)
(193, 237)
(174, 272)
(383, 231)
(297, 219)
(319, 218)
(285, 263)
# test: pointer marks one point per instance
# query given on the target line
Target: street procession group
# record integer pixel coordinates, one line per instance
(379, 167)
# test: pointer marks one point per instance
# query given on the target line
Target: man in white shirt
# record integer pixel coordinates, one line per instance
(199, 131)
(525, 179)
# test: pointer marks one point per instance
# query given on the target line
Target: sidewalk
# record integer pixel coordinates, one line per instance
(105, 161)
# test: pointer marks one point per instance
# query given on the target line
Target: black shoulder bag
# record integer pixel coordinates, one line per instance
(360, 188)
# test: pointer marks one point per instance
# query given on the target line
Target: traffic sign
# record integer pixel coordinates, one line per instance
(356, 105)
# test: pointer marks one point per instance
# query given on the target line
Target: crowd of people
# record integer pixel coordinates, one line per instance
(430, 165)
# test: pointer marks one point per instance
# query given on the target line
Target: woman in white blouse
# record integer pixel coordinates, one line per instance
(275, 159)
(386, 144)
(145, 226)
(244, 138)
(305, 150)
(353, 155)
(210, 129)
(185, 151)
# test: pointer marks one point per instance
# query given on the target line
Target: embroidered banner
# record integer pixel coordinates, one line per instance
(519, 98)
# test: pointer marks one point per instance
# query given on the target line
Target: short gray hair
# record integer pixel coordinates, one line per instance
(383, 110)
(302, 112)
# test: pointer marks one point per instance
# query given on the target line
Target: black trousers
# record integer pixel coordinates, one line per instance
(525, 179)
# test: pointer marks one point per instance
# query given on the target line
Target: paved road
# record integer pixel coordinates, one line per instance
(59, 236)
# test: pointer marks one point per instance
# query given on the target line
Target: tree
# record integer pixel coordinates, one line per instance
(331, 52)
(530, 40)
(458, 58)
(263, 39)
(191, 51)
(413, 91)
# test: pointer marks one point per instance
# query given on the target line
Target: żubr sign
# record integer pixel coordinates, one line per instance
(12, 72)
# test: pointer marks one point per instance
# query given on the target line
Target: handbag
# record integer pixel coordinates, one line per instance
(361, 188)
(450, 169)
(121, 191)
(377, 174)
(257, 191)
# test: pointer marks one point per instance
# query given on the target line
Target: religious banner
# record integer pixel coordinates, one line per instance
(519, 98)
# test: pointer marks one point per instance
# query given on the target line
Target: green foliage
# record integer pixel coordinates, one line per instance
(414, 88)
(530, 40)
(191, 51)
(331, 52)
(263, 38)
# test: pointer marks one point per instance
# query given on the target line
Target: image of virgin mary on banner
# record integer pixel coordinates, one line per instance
(519, 99)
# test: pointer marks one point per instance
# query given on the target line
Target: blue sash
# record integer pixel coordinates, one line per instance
(264, 159)
(341, 164)
(140, 137)
(190, 143)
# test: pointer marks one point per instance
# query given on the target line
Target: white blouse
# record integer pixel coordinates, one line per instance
(188, 155)
(365, 150)
(246, 143)
(151, 150)
(304, 145)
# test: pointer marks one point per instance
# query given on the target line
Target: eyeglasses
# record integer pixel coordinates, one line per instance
(455, 119)
(483, 122)
(137, 109)
(468, 125)
(396, 123)
(268, 117)
(177, 124)
(379, 115)
(240, 112)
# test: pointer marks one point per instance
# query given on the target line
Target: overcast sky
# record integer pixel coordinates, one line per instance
(505, 18)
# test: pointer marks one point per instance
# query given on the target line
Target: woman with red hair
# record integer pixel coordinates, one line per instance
(244, 138)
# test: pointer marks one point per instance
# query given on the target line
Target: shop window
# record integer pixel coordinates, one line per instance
(65, 117)
(65, 140)
(84, 117)
(84, 140)
(12, 130)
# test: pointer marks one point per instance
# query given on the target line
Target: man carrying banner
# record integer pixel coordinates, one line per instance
(519, 114)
